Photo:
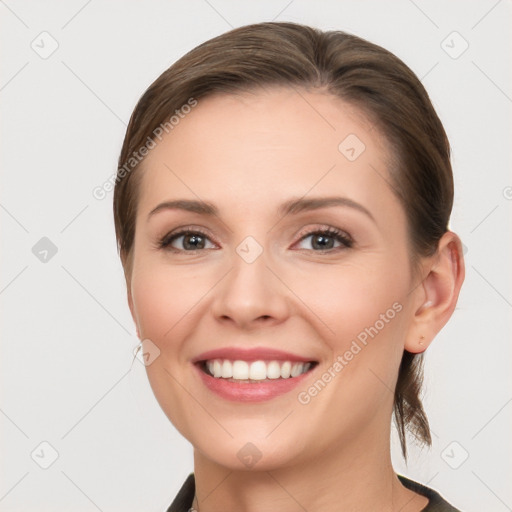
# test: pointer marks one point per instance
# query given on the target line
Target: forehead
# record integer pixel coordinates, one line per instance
(268, 143)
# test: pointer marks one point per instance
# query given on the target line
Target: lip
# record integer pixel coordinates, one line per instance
(251, 354)
(250, 392)
(247, 391)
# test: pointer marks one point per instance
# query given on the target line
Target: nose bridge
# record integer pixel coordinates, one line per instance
(250, 292)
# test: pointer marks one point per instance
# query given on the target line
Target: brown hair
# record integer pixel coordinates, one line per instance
(348, 67)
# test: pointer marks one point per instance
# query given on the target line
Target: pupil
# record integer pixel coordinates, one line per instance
(322, 242)
(194, 242)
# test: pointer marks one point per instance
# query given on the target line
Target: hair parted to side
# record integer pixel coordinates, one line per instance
(350, 68)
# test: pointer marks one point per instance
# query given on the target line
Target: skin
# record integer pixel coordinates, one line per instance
(247, 154)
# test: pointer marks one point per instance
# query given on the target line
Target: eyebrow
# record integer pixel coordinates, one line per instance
(295, 206)
(291, 207)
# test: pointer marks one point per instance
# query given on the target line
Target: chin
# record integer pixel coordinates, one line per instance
(249, 451)
(251, 457)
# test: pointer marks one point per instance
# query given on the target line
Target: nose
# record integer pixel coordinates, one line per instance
(251, 295)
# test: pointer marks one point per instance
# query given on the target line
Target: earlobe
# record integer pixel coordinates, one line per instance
(439, 293)
(417, 345)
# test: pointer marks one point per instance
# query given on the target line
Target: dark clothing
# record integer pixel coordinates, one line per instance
(435, 502)
(185, 496)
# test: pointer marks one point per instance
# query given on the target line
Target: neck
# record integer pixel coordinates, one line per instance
(358, 476)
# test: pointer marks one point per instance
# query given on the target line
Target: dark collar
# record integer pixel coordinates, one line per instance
(183, 500)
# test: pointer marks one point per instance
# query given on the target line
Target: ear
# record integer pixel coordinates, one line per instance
(436, 297)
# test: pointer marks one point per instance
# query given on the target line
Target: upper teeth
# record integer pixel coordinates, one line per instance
(255, 370)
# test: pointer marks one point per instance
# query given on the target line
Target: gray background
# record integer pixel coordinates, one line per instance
(66, 372)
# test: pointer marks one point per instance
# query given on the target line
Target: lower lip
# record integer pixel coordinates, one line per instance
(250, 392)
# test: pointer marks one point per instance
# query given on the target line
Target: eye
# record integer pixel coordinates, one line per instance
(329, 239)
(185, 240)
(326, 240)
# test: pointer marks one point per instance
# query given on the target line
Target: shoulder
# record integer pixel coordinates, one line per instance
(436, 503)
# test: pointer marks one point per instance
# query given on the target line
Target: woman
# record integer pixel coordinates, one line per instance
(281, 210)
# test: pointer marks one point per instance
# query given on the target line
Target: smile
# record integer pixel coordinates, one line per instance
(244, 374)
(254, 371)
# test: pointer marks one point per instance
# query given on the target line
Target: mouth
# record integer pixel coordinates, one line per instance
(252, 381)
(248, 372)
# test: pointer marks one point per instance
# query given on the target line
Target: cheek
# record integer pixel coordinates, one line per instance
(163, 297)
(365, 318)
(165, 301)
(350, 298)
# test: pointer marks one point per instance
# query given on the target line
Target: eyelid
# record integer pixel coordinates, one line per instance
(323, 228)
(345, 238)
(165, 241)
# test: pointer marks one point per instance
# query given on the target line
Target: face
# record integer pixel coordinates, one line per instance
(269, 241)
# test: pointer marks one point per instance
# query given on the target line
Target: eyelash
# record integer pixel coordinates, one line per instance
(336, 234)
(330, 232)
